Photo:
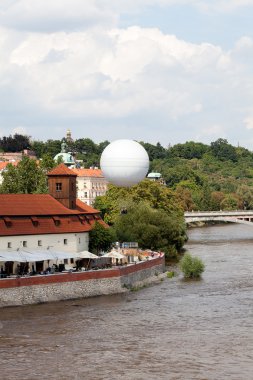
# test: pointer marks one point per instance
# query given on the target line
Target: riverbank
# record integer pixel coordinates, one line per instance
(72, 285)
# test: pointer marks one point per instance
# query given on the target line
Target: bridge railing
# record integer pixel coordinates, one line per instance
(243, 213)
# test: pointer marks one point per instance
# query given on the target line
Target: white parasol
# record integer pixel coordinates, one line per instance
(115, 255)
(86, 255)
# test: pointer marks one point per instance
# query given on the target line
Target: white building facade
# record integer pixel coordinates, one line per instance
(90, 184)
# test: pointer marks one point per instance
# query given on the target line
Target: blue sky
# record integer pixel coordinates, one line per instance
(193, 25)
(151, 70)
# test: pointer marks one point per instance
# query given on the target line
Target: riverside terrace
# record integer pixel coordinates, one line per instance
(237, 216)
(79, 284)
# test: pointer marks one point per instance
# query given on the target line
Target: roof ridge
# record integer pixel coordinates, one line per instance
(61, 169)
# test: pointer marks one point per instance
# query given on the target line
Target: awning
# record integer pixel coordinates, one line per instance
(36, 255)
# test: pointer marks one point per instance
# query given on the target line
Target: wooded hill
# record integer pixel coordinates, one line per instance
(203, 177)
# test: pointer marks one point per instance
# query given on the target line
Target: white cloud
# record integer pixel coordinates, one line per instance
(116, 73)
(48, 15)
(98, 72)
(75, 15)
(248, 121)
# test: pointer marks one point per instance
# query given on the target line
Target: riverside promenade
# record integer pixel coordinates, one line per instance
(72, 285)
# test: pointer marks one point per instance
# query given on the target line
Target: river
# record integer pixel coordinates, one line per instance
(192, 330)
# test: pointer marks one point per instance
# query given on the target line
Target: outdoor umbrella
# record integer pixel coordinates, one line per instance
(115, 255)
(86, 255)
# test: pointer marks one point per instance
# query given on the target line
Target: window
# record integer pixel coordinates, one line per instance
(79, 240)
(9, 244)
(72, 261)
(7, 222)
(39, 243)
(24, 243)
(65, 241)
(85, 194)
(35, 221)
(58, 186)
(66, 261)
(57, 220)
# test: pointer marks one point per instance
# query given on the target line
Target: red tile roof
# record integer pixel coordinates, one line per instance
(3, 164)
(97, 173)
(32, 204)
(35, 214)
(61, 170)
(83, 207)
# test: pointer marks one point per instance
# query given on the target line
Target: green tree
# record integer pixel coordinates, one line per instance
(230, 202)
(16, 143)
(216, 200)
(223, 151)
(189, 150)
(154, 151)
(39, 147)
(101, 238)
(27, 177)
(153, 193)
(151, 228)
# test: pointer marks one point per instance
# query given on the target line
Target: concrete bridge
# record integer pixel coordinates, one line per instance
(241, 216)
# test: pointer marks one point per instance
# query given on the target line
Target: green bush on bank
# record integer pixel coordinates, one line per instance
(192, 267)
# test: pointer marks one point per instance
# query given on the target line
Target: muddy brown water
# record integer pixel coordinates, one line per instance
(173, 330)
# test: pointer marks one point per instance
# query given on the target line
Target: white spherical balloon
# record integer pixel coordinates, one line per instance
(124, 163)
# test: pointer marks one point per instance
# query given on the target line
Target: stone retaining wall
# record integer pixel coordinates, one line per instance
(63, 286)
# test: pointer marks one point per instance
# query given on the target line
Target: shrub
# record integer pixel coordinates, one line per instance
(170, 274)
(192, 267)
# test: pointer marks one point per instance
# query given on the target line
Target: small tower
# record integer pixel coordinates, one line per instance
(62, 185)
(68, 136)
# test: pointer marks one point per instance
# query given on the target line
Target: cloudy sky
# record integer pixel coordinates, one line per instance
(152, 70)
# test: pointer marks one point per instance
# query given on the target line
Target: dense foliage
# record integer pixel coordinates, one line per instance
(147, 213)
(192, 267)
(15, 143)
(101, 238)
(196, 176)
(27, 177)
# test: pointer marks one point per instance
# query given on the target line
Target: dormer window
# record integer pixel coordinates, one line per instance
(58, 186)
(35, 221)
(57, 220)
(7, 221)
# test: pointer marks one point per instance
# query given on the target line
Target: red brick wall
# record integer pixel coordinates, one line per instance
(79, 276)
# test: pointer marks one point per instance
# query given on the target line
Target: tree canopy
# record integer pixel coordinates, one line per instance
(27, 177)
(101, 238)
(16, 143)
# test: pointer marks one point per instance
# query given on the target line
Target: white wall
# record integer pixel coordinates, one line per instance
(88, 188)
(72, 242)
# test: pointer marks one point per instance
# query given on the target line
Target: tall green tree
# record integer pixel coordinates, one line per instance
(222, 150)
(153, 193)
(101, 238)
(27, 178)
(151, 228)
(16, 143)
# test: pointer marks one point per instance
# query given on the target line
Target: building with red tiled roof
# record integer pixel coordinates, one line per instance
(90, 184)
(56, 221)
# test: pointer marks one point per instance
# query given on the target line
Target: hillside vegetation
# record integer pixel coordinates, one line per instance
(196, 177)
(203, 177)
